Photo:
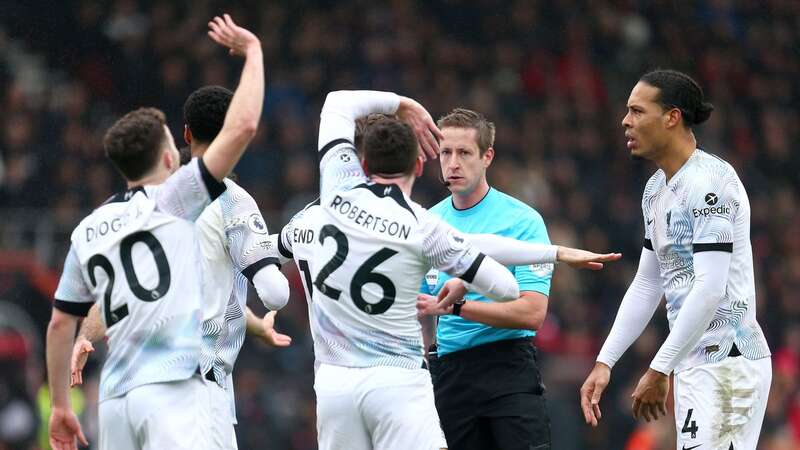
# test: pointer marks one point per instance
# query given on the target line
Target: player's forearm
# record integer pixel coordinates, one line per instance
(697, 311)
(635, 311)
(492, 280)
(511, 252)
(241, 120)
(525, 313)
(428, 326)
(92, 328)
(342, 108)
(60, 335)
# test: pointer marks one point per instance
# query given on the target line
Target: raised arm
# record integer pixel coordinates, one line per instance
(244, 112)
(339, 163)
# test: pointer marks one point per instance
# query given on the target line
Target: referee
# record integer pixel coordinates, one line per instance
(488, 389)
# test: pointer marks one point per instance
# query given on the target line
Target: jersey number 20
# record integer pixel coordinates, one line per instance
(125, 254)
(363, 275)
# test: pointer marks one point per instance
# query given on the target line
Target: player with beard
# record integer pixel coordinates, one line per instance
(697, 254)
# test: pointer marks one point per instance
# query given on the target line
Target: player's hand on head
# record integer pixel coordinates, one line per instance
(592, 391)
(582, 259)
(225, 32)
(64, 429)
(428, 305)
(80, 354)
(427, 133)
(650, 396)
(270, 336)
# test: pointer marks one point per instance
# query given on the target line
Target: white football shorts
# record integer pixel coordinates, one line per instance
(222, 434)
(721, 406)
(157, 416)
(381, 408)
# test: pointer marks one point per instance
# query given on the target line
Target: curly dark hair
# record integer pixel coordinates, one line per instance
(204, 111)
(135, 142)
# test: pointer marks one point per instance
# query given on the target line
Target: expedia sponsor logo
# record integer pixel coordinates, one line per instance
(711, 199)
(723, 209)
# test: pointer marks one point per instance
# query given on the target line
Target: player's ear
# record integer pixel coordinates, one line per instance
(187, 135)
(672, 117)
(168, 158)
(488, 157)
(419, 166)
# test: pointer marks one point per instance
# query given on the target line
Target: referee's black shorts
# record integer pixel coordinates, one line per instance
(492, 397)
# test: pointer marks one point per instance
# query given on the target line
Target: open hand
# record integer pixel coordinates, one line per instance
(270, 336)
(225, 32)
(421, 122)
(582, 259)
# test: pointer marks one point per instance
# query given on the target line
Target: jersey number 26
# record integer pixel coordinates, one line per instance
(363, 275)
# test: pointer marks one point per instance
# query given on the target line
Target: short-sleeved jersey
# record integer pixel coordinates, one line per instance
(370, 248)
(137, 255)
(503, 215)
(234, 242)
(704, 207)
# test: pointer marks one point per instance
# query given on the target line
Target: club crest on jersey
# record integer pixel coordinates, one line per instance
(256, 224)
(432, 279)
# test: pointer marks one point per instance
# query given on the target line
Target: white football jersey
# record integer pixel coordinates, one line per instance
(369, 249)
(234, 241)
(704, 207)
(137, 255)
(294, 243)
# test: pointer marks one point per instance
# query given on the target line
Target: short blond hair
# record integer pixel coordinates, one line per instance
(467, 118)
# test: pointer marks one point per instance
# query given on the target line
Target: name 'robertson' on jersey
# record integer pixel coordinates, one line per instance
(369, 221)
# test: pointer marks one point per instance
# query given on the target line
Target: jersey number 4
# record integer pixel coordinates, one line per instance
(142, 293)
(363, 275)
(689, 425)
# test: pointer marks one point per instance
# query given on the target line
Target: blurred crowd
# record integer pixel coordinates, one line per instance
(553, 76)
